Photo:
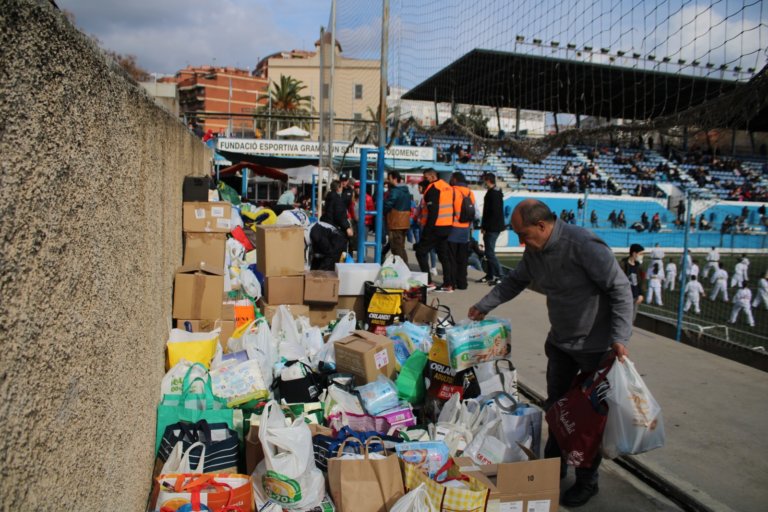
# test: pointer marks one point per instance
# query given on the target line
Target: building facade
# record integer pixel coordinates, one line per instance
(221, 99)
(356, 87)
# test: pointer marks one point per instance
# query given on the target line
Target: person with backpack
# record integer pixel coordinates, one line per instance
(458, 240)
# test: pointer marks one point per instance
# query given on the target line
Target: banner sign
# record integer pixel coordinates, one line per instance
(310, 149)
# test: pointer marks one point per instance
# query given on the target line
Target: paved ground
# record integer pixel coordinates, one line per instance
(714, 409)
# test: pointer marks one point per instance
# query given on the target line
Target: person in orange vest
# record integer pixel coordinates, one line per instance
(438, 199)
(458, 240)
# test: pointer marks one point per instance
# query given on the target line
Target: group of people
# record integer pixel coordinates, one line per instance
(659, 276)
(440, 225)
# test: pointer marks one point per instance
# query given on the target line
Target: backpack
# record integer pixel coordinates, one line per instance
(467, 211)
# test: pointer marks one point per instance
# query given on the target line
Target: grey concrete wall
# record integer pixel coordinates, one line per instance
(90, 226)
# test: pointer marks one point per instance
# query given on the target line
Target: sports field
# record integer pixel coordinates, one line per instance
(714, 315)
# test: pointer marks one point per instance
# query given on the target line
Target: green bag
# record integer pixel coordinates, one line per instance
(228, 194)
(193, 407)
(410, 382)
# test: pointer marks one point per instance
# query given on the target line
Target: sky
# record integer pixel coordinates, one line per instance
(425, 35)
(168, 35)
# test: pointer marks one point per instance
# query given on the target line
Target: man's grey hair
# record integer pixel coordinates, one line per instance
(533, 211)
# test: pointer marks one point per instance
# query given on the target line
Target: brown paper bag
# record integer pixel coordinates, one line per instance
(420, 313)
(365, 484)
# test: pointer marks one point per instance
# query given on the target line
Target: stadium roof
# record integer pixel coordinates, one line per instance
(533, 82)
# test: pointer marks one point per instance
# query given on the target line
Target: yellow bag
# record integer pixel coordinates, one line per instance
(444, 498)
(195, 347)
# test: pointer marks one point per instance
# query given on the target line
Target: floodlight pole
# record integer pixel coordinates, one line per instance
(321, 136)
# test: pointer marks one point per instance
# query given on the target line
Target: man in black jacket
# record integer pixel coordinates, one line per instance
(329, 237)
(491, 227)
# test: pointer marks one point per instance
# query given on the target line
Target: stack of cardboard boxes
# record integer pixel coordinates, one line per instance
(280, 258)
(199, 303)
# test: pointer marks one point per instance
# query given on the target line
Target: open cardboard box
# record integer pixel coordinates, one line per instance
(526, 486)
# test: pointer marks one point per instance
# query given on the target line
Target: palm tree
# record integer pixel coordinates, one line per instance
(367, 132)
(285, 98)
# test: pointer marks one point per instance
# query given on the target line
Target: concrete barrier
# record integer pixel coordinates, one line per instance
(90, 226)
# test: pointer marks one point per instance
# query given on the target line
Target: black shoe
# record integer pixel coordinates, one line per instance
(579, 494)
(484, 280)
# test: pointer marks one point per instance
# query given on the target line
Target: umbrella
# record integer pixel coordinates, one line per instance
(293, 131)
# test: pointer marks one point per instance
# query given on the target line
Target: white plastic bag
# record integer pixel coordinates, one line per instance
(295, 217)
(178, 460)
(491, 446)
(240, 382)
(286, 334)
(344, 327)
(635, 423)
(416, 500)
(520, 422)
(498, 376)
(173, 381)
(288, 474)
(394, 273)
(249, 283)
(235, 252)
(258, 344)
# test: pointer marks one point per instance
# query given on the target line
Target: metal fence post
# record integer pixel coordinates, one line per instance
(361, 205)
(683, 268)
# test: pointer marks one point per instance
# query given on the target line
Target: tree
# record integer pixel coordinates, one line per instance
(474, 121)
(367, 132)
(286, 98)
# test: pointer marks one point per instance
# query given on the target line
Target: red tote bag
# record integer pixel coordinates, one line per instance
(578, 419)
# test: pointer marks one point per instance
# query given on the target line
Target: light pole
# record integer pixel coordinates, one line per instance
(229, 109)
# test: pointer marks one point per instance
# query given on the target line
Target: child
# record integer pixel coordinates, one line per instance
(742, 301)
(671, 274)
(720, 280)
(762, 292)
(693, 293)
(655, 277)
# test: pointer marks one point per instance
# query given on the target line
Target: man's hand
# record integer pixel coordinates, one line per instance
(475, 314)
(621, 351)
(350, 233)
(639, 299)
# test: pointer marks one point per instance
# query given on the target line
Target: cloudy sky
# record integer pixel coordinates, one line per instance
(167, 35)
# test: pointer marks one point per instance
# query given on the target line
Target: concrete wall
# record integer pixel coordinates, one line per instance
(90, 226)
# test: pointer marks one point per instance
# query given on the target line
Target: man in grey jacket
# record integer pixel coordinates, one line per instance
(589, 304)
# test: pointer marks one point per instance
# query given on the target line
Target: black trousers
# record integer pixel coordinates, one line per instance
(430, 240)
(562, 367)
(459, 254)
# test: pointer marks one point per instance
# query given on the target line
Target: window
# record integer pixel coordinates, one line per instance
(358, 116)
(358, 91)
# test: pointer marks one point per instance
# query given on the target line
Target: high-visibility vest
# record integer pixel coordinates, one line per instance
(460, 192)
(445, 209)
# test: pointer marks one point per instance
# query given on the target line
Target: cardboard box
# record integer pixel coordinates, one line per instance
(197, 293)
(227, 328)
(366, 355)
(321, 287)
(280, 250)
(206, 248)
(284, 289)
(352, 276)
(297, 310)
(205, 217)
(532, 485)
(354, 303)
(321, 315)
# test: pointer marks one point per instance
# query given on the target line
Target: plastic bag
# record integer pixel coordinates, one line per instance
(473, 343)
(228, 194)
(410, 382)
(394, 273)
(288, 474)
(172, 383)
(240, 383)
(286, 334)
(498, 376)
(178, 460)
(635, 424)
(343, 328)
(379, 395)
(295, 217)
(249, 283)
(235, 251)
(491, 446)
(415, 501)
(196, 347)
